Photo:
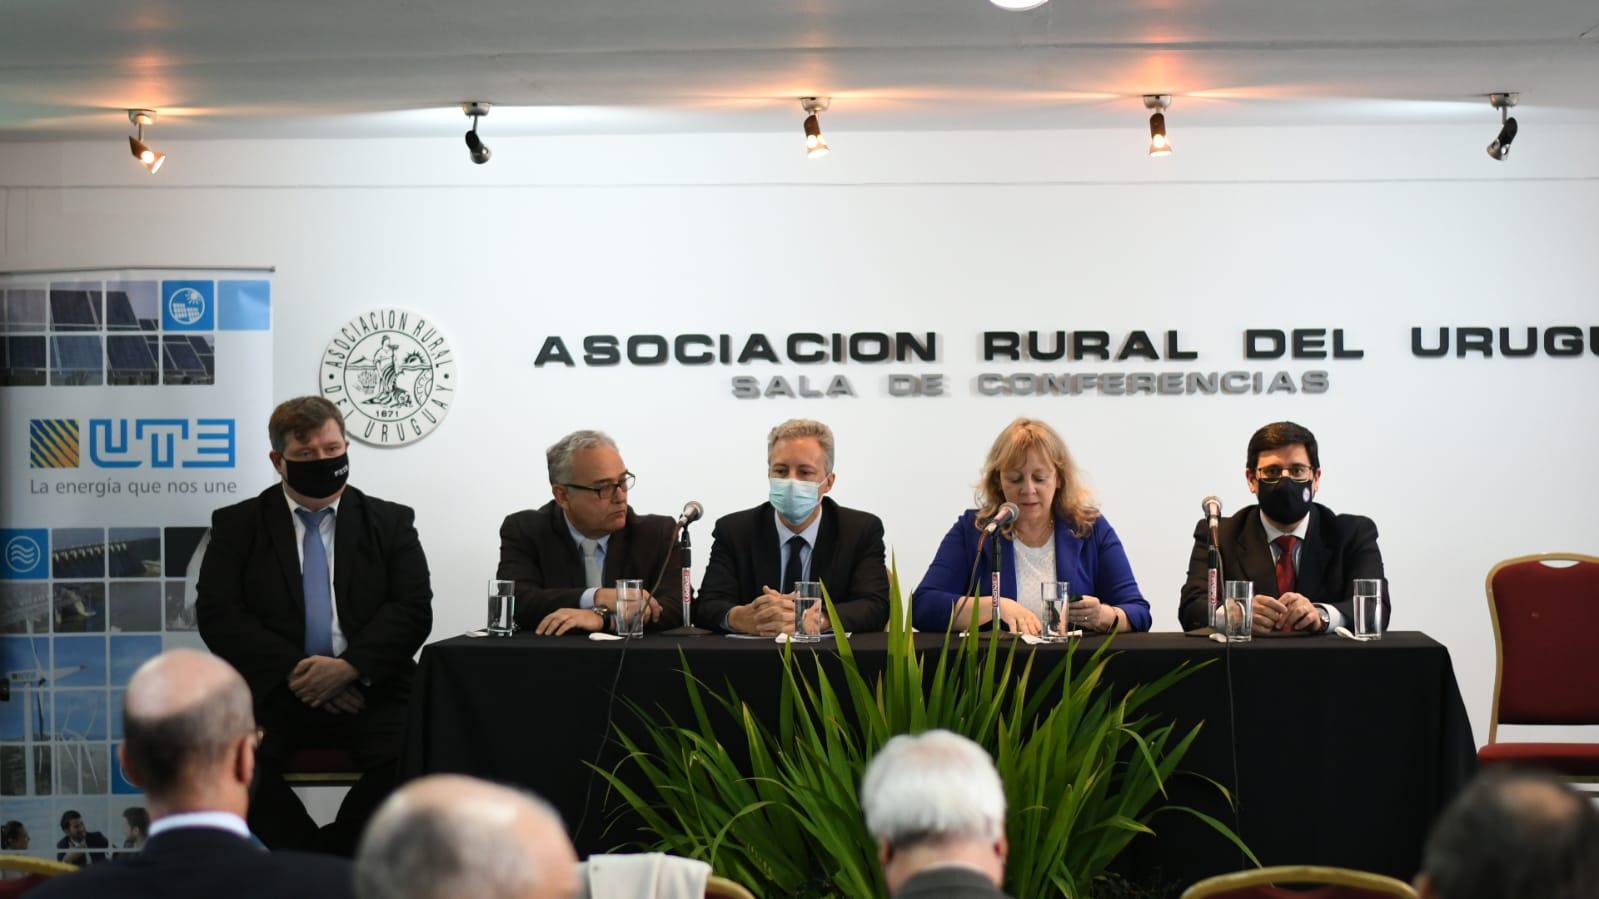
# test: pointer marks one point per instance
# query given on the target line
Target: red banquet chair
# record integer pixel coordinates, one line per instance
(1546, 644)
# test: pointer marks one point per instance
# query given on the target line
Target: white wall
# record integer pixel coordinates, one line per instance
(1461, 462)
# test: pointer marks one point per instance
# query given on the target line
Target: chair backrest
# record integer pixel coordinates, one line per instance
(722, 888)
(1546, 640)
(1330, 883)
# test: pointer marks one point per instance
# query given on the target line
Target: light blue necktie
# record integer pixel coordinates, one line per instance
(318, 593)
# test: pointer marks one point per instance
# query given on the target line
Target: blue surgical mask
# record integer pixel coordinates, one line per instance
(794, 499)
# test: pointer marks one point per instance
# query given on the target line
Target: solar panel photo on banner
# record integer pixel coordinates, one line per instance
(119, 312)
(181, 364)
(203, 349)
(76, 361)
(24, 310)
(131, 360)
(24, 362)
(74, 310)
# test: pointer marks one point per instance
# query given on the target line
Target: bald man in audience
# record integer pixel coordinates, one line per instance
(189, 742)
(936, 807)
(454, 837)
(1513, 835)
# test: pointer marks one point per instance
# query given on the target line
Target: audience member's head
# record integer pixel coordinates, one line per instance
(14, 837)
(189, 734)
(935, 800)
(453, 837)
(1513, 835)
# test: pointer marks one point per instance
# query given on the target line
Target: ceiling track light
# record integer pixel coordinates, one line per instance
(474, 144)
(815, 145)
(1500, 148)
(1159, 143)
(149, 158)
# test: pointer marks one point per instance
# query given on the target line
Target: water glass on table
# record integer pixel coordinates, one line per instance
(1236, 614)
(1368, 608)
(502, 608)
(630, 604)
(1056, 596)
(807, 623)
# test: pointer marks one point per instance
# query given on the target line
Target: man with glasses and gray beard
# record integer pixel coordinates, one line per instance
(936, 807)
(567, 555)
(1302, 557)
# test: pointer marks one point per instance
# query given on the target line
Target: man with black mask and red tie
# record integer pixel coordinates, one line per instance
(1302, 556)
(319, 595)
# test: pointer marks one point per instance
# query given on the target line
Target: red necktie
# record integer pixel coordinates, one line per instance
(1285, 566)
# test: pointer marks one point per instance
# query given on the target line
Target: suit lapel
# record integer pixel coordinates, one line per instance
(768, 570)
(280, 533)
(348, 526)
(1255, 554)
(826, 547)
(570, 558)
(615, 552)
(1312, 562)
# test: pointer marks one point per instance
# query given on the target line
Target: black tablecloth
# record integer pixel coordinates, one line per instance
(1345, 752)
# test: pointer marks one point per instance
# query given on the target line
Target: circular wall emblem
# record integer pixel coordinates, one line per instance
(392, 374)
(186, 306)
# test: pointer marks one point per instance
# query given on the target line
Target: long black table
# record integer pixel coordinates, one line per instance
(1345, 752)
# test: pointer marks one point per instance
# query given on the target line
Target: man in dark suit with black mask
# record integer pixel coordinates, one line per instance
(1302, 557)
(190, 741)
(319, 595)
(799, 534)
(567, 555)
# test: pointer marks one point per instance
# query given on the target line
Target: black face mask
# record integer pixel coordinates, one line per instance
(1286, 501)
(317, 478)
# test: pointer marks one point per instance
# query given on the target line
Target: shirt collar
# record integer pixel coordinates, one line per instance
(1273, 532)
(809, 534)
(578, 538)
(218, 820)
(293, 506)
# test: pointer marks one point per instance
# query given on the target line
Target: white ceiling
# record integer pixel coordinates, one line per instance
(369, 68)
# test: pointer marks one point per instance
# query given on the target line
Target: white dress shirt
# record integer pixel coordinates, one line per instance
(329, 526)
(218, 820)
(1334, 619)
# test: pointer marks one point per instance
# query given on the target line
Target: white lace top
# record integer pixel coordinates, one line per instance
(1035, 566)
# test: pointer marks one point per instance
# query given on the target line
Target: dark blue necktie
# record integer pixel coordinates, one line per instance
(794, 568)
(318, 593)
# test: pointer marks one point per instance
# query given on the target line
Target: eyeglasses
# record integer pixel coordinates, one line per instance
(1276, 472)
(607, 490)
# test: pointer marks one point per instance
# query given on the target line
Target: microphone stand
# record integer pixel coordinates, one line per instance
(993, 580)
(685, 551)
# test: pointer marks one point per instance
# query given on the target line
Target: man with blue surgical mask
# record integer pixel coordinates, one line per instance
(799, 534)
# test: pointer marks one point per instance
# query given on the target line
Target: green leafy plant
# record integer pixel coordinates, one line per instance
(1082, 764)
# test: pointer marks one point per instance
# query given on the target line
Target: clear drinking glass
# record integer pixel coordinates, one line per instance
(1235, 613)
(630, 608)
(1057, 615)
(1368, 608)
(807, 596)
(502, 608)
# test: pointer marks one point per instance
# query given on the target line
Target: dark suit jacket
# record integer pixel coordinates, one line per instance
(94, 840)
(1337, 550)
(950, 883)
(205, 863)
(847, 559)
(251, 603)
(537, 551)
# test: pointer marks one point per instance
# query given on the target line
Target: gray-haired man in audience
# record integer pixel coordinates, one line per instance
(1513, 835)
(453, 837)
(936, 807)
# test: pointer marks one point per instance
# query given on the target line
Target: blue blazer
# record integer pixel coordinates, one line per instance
(1095, 565)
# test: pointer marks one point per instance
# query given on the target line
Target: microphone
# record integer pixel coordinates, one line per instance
(1212, 509)
(692, 512)
(1214, 573)
(1006, 515)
